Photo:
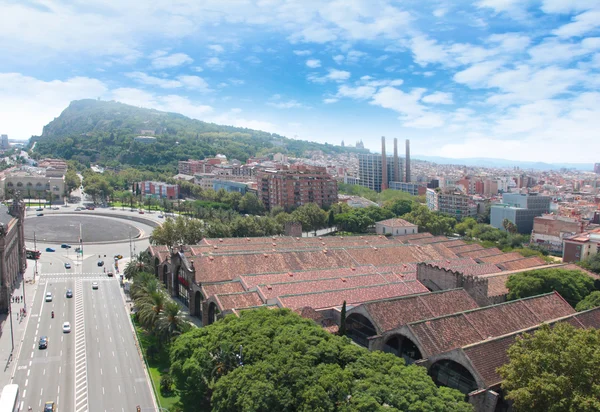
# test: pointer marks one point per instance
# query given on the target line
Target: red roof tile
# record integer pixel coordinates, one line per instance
(454, 243)
(522, 263)
(466, 248)
(353, 296)
(395, 222)
(239, 300)
(250, 281)
(453, 331)
(211, 289)
(407, 238)
(497, 285)
(392, 313)
(504, 257)
(481, 253)
(427, 240)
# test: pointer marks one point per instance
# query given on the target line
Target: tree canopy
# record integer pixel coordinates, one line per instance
(292, 364)
(589, 302)
(554, 370)
(572, 285)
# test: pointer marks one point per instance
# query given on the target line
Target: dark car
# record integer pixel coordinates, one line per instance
(40, 214)
(65, 246)
(39, 209)
(100, 263)
(69, 293)
(49, 249)
(110, 274)
(67, 266)
(49, 406)
(43, 342)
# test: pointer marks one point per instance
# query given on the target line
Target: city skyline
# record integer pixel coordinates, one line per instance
(515, 80)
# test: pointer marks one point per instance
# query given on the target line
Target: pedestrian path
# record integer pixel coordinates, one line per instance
(11, 335)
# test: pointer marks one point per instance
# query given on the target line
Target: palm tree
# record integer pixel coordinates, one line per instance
(150, 307)
(171, 322)
(144, 284)
(140, 263)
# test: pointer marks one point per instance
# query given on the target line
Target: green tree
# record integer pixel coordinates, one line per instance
(592, 263)
(589, 302)
(299, 367)
(400, 207)
(342, 330)
(72, 181)
(465, 226)
(137, 265)
(251, 204)
(554, 370)
(166, 234)
(311, 216)
(509, 226)
(572, 285)
(150, 307)
(170, 322)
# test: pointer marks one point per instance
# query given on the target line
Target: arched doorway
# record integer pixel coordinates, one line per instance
(213, 311)
(452, 374)
(402, 346)
(156, 266)
(359, 329)
(198, 304)
(182, 288)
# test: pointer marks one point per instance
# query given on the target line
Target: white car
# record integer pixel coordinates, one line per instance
(66, 327)
(49, 297)
(94, 285)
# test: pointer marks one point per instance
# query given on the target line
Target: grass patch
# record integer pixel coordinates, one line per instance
(157, 357)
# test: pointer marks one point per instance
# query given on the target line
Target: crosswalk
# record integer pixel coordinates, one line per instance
(67, 277)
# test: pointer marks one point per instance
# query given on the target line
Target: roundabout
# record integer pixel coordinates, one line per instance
(65, 228)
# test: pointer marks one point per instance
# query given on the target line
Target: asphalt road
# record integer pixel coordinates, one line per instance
(96, 367)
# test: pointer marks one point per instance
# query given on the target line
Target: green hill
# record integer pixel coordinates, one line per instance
(93, 131)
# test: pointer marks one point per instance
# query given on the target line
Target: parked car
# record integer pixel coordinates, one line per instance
(40, 214)
(141, 212)
(39, 209)
(67, 266)
(43, 343)
(78, 209)
(160, 216)
(66, 327)
(49, 249)
(65, 246)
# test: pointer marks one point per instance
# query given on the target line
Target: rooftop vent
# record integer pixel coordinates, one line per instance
(344, 280)
(220, 240)
(290, 274)
(269, 287)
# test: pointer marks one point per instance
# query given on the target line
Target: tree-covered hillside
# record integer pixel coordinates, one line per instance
(93, 131)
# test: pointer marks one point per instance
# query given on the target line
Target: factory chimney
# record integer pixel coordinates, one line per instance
(407, 174)
(396, 177)
(384, 174)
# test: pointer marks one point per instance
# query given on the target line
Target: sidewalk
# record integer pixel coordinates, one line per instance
(7, 363)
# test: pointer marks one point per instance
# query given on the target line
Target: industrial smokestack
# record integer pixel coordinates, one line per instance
(396, 177)
(407, 174)
(384, 175)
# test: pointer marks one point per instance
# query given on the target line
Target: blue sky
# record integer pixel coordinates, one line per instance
(514, 79)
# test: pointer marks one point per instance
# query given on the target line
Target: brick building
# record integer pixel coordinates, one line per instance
(12, 249)
(191, 167)
(450, 202)
(296, 186)
(550, 230)
(581, 245)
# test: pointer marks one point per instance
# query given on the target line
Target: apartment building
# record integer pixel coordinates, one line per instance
(160, 190)
(519, 209)
(550, 230)
(296, 186)
(450, 202)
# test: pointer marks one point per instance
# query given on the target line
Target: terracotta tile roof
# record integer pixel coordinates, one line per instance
(238, 300)
(392, 313)
(427, 240)
(273, 290)
(408, 238)
(504, 257)
(161, 252)
(395, 222)
(399, 268)
(487, 356)
(453, 243)
(497, 285)
(467, 248)
(477, 270)
(481, 253)
(221, 268)
(522, 263)
(443, 251)
(571, 266)
(395, 254)
(250, 281)
(450, 263)
(328, 299)
(460, 329)
(210, 289)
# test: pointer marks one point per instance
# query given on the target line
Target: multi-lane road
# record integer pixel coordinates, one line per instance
(95, 367)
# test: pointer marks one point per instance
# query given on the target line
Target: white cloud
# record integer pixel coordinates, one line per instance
(153, 81)
(438, 98)
(339, 59)
(302, 52)
(217, 48)
(516, 9)
(27, 104)
(195, 83)
(568, 6)
(253, 60)
(313, 63)
(215, 63)
(172, 60)
(332, 75)
(553, 50)
(277, 102)
(360, 92)
(330, 100)
(477, 74)
(412, 113)
(440, 12)
(510, 42)
(582, 24)
(426, 50)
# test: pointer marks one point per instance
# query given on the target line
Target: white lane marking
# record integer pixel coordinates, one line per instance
(44, 372)
(116, 369)
(28, 372)
(26, 382)
(59, 389)
(119, 388)
(30, 362)
(59, 369)
(81, 381)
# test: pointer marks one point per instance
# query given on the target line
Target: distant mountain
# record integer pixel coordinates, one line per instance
(504, 163)
(103, 132)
